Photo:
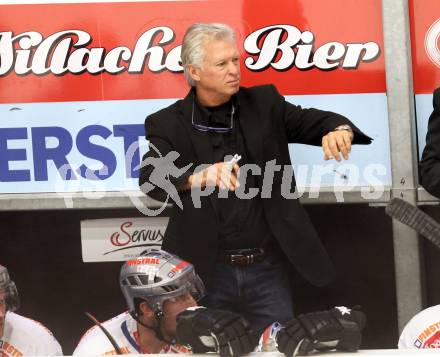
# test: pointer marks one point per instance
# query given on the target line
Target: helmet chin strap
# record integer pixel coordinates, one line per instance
(158, 314)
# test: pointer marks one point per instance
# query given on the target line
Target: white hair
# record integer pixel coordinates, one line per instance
(194, 39)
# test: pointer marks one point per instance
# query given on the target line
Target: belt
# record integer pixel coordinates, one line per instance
(242, 257)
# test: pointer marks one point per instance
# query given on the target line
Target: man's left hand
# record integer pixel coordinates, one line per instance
(339, 328)
(337, 142)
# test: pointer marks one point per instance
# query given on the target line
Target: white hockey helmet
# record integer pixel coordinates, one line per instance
(156, 277)
(8, 286)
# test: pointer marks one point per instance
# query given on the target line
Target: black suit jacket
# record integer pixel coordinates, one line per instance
(429, 167)
(269, 124)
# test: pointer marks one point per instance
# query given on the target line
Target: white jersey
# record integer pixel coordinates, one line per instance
(423, 330)
(123, 328)
(24, 337)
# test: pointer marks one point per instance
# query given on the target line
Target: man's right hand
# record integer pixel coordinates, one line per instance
(221, 174)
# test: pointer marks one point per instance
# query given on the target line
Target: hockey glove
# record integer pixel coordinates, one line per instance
(209, 330)
(339, 328)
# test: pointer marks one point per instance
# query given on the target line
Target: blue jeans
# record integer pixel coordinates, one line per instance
(260, 292)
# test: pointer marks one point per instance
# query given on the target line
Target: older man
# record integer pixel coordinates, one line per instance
(240, 247)
(20, 336)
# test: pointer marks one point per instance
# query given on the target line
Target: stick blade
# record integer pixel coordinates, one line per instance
(415, 218)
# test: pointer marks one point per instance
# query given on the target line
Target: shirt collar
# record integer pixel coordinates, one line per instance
(206, 114)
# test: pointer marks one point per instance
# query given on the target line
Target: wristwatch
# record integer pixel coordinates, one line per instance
(343, 127)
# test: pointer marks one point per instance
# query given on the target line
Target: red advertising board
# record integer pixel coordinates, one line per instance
(77, 81)
(117, 51)
(425, 41)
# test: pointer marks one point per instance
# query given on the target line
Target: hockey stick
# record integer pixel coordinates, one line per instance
(415, 218)
(110, 337)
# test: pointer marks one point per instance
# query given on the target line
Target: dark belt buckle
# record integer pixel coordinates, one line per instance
(247, 259)
(241, 259)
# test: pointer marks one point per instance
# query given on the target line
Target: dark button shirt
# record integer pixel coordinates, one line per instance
(242, 221)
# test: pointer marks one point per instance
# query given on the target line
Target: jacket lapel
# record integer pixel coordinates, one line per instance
(199, 139)
(251, 125)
